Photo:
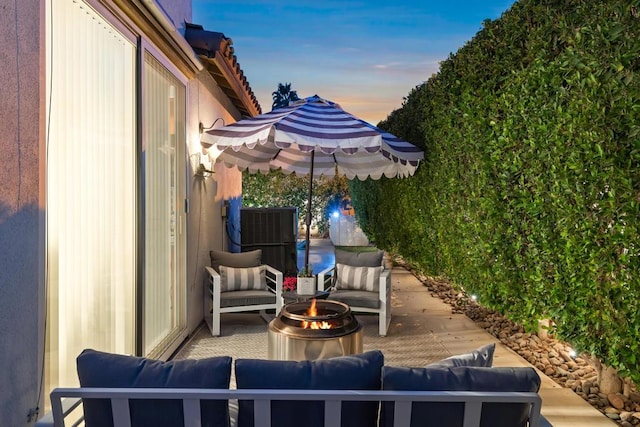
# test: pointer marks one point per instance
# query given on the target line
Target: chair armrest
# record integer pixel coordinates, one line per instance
(212, 273)
(325, 276)
(213, 278)
(275, 277)
(385, 285)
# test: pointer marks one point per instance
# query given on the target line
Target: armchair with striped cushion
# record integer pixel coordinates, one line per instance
(360, 280)
(239, 282)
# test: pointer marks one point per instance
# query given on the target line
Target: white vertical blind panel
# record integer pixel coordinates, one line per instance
(90, 188)
(164, 115)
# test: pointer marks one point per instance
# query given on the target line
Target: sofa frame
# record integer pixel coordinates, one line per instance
(67, 400)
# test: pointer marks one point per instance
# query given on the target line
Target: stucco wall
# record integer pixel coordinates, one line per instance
(21, 215)
(205, 225)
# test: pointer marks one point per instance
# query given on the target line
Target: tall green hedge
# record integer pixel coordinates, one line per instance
(529, 192)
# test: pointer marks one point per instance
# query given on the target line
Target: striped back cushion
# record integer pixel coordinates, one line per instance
(242, 279)
(358, 278)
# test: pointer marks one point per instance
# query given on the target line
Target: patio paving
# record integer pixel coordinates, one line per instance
(423, 329)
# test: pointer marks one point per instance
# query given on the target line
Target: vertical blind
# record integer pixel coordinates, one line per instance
(164, 138)
(90, 188)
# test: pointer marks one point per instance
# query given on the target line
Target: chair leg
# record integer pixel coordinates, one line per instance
(384, 316)
(383, 324)
(208, 312)
(215, 314)
(215, 323)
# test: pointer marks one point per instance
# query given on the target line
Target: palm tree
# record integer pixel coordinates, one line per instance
(283, 96)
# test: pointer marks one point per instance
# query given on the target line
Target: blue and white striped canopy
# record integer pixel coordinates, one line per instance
(284, 139)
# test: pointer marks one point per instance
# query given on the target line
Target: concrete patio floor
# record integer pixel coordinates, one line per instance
(417, 314)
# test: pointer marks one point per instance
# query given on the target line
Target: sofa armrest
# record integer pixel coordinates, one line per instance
(62, 406)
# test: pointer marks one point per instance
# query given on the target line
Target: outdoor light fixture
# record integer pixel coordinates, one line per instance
(474, 297)
(335, 214)
(201, 170)
(202, 128)
(572, 353)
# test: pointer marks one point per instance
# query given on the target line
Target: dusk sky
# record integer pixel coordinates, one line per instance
(366, 55)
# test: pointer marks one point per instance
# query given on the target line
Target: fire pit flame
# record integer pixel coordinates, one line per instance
(313, 312)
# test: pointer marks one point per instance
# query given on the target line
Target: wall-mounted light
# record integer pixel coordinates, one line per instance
(201, 170)
(202, 128)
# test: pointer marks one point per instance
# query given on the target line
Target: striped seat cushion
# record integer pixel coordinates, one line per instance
(358, 278)
(242, 279)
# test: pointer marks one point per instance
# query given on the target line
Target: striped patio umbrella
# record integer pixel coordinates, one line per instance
(315, 137)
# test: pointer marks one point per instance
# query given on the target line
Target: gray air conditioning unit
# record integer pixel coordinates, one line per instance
(275, 231)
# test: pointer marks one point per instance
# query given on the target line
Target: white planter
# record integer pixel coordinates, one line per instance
(306, 285)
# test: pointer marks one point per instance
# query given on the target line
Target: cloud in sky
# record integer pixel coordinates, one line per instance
(365, 55)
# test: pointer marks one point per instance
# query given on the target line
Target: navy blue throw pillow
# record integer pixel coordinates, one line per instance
(356, 372)
(99, 369)
(460, 379)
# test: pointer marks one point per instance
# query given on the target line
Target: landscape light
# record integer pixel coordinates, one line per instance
(335, 214)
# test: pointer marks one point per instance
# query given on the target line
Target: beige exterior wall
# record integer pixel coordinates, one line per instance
(205, 226)
(23, 208)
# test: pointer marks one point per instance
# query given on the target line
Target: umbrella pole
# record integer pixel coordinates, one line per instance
(308, 218)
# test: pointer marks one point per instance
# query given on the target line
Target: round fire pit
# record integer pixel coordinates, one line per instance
(316, 329)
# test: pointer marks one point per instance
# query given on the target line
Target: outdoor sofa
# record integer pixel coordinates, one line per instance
(353, 391)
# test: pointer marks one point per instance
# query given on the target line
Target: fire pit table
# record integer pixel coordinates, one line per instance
(314, 329)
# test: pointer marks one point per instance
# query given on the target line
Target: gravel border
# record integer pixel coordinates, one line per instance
(546, 353)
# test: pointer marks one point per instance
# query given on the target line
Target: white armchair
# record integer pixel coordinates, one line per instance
(357, 288)
(240, 289)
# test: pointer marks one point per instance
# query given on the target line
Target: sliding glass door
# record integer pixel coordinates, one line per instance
(163, 154)
(91, 188)
(115, 120)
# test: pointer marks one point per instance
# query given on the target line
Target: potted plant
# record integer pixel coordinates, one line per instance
(289, 284)
(306, 282)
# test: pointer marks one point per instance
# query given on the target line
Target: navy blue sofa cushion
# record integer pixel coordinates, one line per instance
(356, 372)
(460, 379)
(99, 369)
